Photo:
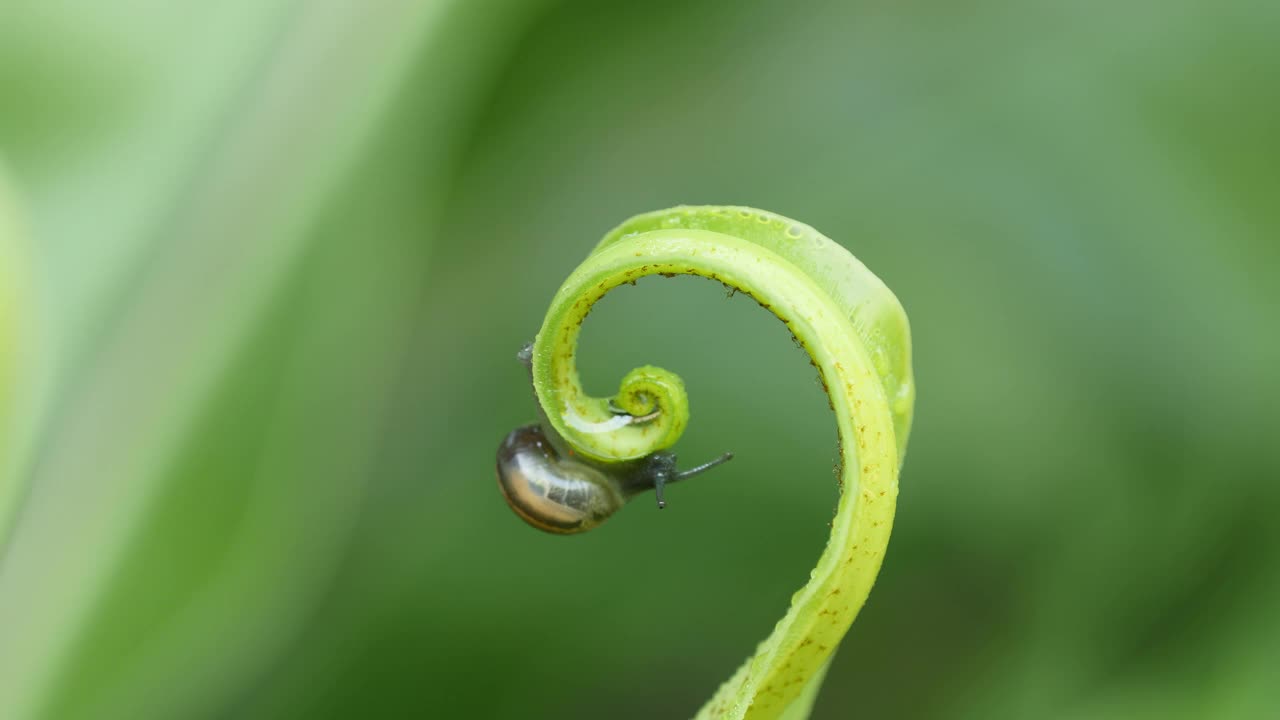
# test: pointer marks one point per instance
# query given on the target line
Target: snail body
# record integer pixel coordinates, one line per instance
(567, 494)
(555, 490)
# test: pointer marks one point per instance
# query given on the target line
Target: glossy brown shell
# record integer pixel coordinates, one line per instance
(551, 493)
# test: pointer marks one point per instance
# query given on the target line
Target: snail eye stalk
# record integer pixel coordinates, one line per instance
(663, 480)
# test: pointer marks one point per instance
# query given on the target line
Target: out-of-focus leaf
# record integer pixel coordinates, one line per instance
(228, 353)
(12, 298)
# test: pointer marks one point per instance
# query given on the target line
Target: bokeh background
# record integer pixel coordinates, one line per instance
(264, 267)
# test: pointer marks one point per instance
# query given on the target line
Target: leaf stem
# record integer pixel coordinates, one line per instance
(857, 336)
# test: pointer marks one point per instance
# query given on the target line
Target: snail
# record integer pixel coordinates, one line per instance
(555, 490)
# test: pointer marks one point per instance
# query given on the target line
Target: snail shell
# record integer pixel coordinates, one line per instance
(567, 495)
(551, 493)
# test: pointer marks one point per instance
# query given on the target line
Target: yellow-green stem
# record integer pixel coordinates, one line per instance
(857, 336)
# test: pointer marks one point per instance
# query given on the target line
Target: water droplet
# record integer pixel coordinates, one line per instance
(880, 359)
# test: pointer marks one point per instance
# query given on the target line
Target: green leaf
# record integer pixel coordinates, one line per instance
(856, 335)
(225, 360)
(12, 311)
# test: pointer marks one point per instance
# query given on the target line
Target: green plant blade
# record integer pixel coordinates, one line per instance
(856, 335)
(208, 445)
(12, 297)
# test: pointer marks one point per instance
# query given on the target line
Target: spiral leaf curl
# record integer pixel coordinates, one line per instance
(856, 334)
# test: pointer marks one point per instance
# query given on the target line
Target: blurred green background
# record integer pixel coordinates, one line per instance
(271, 260)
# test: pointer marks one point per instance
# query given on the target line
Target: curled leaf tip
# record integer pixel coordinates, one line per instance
(602, 450)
